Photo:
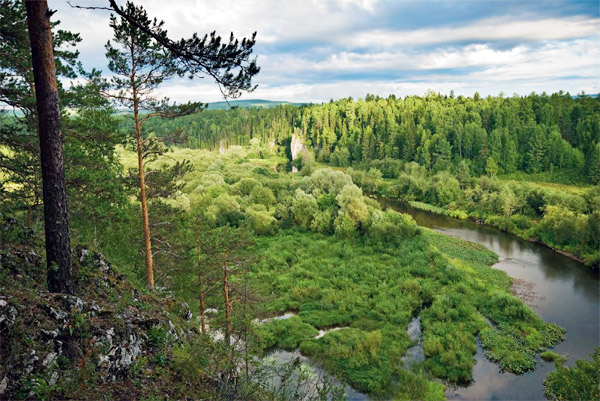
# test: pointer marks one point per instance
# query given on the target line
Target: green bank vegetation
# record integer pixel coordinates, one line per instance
(564, 218)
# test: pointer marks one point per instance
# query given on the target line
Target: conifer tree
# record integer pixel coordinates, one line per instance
(56, 223)
(140, 65)
(92, 172)
(537, 150)
(145, 57)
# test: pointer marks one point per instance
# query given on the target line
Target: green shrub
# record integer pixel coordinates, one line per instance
(579, 382)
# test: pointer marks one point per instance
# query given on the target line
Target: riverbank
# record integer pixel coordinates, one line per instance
(565, 292)
(496, 222)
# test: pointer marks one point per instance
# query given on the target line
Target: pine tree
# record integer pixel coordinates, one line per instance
(56, 223)
(594, 164)
(511, 157)
(537, 150)
(491, 166)
(18, 135)
(222, 249)
(141, 65)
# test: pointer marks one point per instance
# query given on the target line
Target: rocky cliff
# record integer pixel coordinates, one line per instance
(296, 147)
(108, 340)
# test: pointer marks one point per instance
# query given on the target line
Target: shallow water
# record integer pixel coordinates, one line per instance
(414, 353)
(559, 289)
(283, 356)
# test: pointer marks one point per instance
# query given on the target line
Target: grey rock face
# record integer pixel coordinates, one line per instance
(297, 146)
(8, 315)
(3, 385)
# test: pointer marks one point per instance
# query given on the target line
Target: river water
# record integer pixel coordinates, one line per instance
(558, 288)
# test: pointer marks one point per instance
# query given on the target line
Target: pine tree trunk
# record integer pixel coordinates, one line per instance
(58, 247)
(227, 302)
(144, 200)
(202, 313)
(142, 178)
(202, 287)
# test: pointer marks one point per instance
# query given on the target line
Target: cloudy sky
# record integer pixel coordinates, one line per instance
(316, 50)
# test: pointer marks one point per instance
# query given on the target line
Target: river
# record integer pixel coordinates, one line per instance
(561, 290)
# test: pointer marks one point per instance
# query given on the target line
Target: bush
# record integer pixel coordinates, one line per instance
(579, 382)
(344, 227)
(285, 333)
(390, 226)
(262, 195)
(340, 157)
(261, 222)
(224, 210)
(326, 181)
(352, 204)
(304, 208)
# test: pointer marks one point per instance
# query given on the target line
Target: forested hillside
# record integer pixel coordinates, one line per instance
(535, 133)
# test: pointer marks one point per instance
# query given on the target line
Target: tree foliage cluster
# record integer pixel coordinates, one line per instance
(94, 176)
(579, 382)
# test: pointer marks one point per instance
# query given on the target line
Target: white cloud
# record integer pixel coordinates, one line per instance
(490, 29)
(554, 58)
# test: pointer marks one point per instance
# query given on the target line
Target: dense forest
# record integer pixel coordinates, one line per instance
(205, 248)
(536, 133)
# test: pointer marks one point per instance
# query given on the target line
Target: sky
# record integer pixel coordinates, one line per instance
(317, 50)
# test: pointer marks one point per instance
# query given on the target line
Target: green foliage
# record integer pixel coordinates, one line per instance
(579, 382)
(550, 356)
(535, 133)
(304, 208)
(560, 216)
(225, 209)
(390, 226)
(352, 204)
(344, 227)
(516, 324)
(285, 333)
(261, 222)
(445, 189)
(459, 214)
(594, 165)
(93, 175)
(326, 181)
(413, 386)
(491, 167)
(340, 157)
(157, 336)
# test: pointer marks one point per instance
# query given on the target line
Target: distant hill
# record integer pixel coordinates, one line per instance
(247, 103)
(223, 105)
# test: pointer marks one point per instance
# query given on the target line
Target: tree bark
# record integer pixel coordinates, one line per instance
(142, 178)
(144, 200)
(202, 287)
(58, 247)
(227, 301)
